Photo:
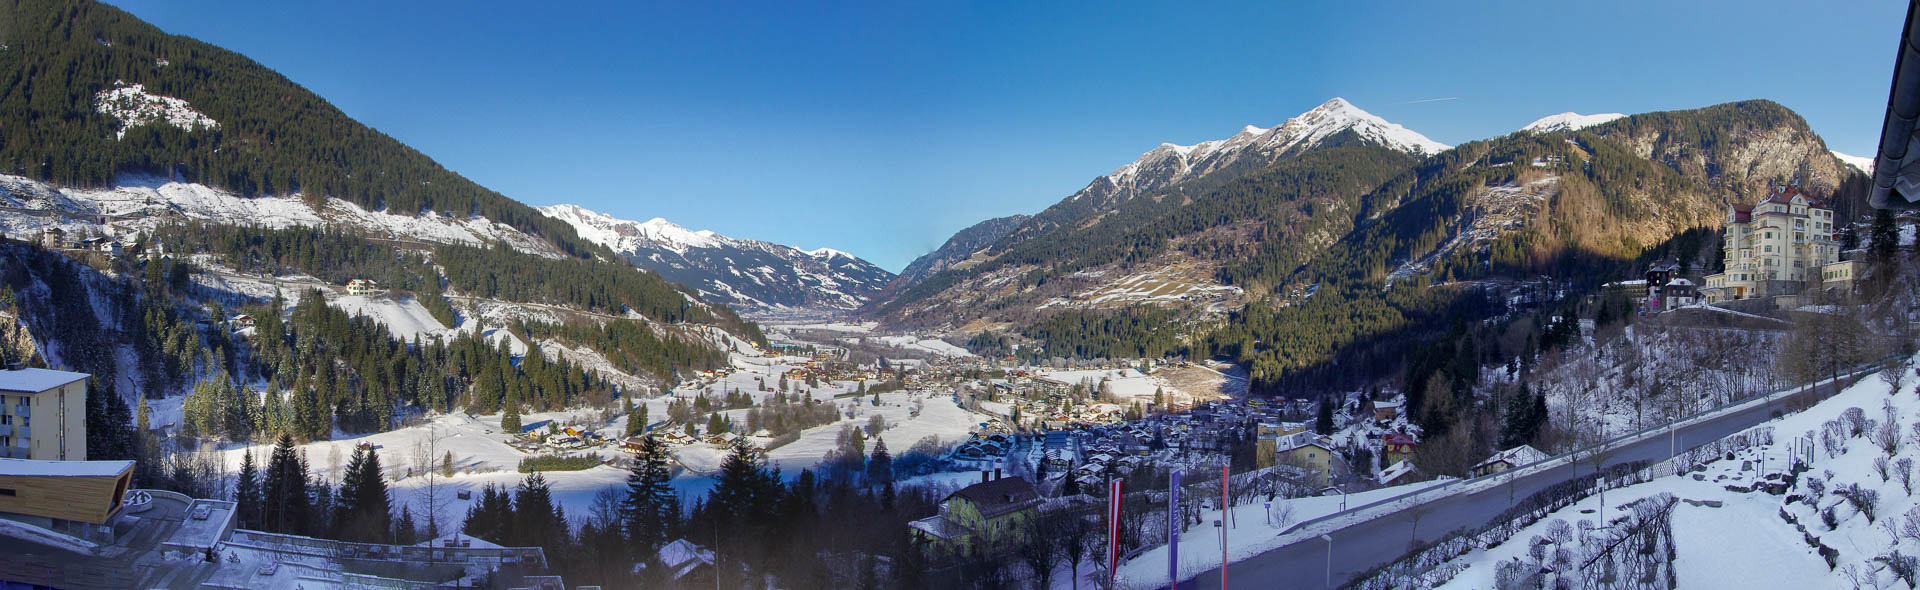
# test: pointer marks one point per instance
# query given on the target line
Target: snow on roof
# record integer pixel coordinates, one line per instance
(460, 540)
(1517, 456)
(39, 468)
(1394, 471)
(37, 380)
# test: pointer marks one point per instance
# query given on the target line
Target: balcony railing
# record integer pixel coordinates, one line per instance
(20, 410)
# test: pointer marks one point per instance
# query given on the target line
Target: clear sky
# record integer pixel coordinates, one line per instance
(881, 129)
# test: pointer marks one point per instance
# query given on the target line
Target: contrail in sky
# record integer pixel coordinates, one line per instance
(1432, 100)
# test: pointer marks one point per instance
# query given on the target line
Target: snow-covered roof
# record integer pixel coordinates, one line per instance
(37, 380)
(681, 556)
(1517, 456)
(460, 540)
(38, 468)
(1394, 471)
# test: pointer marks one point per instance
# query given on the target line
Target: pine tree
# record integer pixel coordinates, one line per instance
(1883, 237)
(406, 532)
(880, 466)
(287, 504)
(1323, 422)
(246, 493)
(510, 416)
(491, 518)
(446, 465)
(364, 512)
(649, 496)
(537, 522)
(636, 423)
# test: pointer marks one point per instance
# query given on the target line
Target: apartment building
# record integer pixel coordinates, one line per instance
(1774, 247)
(43, 414)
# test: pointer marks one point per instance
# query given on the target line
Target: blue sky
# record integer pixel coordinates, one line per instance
(880, 129)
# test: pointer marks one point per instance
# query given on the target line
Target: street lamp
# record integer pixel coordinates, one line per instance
(1329, 539)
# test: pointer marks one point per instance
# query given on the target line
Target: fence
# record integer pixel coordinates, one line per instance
(1578, 454)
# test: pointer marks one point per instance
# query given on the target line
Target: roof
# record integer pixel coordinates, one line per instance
(37, 380)
(1395, 471)
(682, 556)
(463, 541)
(1517, 456)
(1398, 439)
(938, 526)
(999, 496)
(1894, 181)
(39, 468)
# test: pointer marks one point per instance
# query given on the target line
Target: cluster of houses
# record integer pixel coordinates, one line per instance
(54, 238)
(980, 451)
(724, 440)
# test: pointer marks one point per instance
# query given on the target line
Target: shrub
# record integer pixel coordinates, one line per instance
(559, 463)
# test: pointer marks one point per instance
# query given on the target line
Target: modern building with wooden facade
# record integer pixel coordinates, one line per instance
(76, 491)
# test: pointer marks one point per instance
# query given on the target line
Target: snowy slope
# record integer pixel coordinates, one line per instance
(1864, 164)
(1727, 537)
(749, 274)
(137, 204)
(1568, 121)
(133, 106)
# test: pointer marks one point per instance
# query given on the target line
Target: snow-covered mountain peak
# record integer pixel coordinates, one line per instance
(1864, 164)
(1169, 163)
(828, 254)
(1338, 115)
(1568, 121)
(749, 274)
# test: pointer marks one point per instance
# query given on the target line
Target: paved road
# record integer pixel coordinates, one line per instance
(1366, 546)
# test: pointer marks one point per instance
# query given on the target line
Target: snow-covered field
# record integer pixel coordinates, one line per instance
(931, 345)
(482, 456)
(403, 315)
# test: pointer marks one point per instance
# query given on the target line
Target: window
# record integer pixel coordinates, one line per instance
(6, 492)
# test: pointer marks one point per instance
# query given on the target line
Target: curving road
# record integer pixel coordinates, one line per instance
(1364, 547)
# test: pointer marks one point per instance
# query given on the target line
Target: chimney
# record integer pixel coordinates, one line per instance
(996, 473)
(985, 477)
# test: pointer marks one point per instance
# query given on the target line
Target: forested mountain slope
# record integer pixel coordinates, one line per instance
(1350, 252)
(1563, 210)
(180, 219)
(93, 95)
(1158, 230)
(957, 249)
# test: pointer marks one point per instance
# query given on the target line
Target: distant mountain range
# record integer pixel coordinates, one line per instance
(750, 275)
(1336, 192)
